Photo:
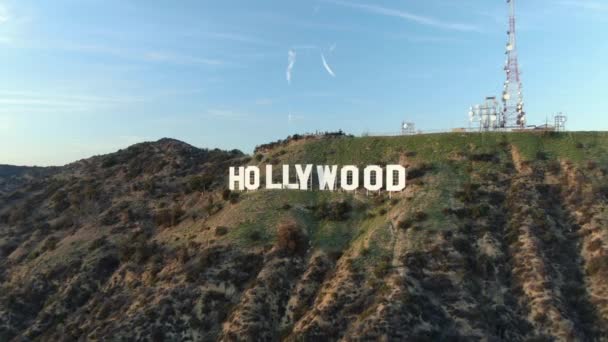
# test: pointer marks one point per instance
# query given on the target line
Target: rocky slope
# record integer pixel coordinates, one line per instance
(497, 237)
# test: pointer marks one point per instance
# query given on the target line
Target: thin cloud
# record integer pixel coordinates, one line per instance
(292, 118)
(12, 101)
(4, 14)
(326, 66)
(159, 56)
(226, 114)
(145, 56)
(291, 61)
(586, 5)
(264, 102)
(304, 47)
(240, 38)
(412, 17)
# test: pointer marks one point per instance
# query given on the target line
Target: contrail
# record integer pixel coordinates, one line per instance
(331, 72)
(291, 61)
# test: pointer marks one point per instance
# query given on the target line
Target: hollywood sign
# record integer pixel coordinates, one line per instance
(392, 178)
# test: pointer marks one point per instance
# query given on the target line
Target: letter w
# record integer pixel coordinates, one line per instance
(327, 176)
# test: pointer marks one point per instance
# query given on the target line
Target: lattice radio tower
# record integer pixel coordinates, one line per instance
(512, 98)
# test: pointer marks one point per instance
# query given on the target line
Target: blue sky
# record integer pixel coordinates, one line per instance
(85, 77)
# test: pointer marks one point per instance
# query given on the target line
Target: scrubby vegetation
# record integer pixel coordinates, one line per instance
(498, 237)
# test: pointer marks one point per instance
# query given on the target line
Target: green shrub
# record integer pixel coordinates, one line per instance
(137, 249)
(213, 208)
(406, 224)
(419, 171)
(479, 211)
(255, 235)
(221, 231)
(382, 268)
(8, 247)
(59, 201)
(334, 211)
(200, 182)
(554, 167)
(234, 197)
(291, 239)
(598, 264)
(591, 165)
(420, 216)
(168, 217)
(484, 157)
(226, 194)
(98, 243)
(540, 155)
(109, 162)
(50, 244)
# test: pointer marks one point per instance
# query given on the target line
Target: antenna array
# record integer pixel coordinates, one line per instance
(512, 98)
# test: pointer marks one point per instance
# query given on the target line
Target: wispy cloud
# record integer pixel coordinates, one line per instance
(4, 14)
(293, 118)
(169, 57)
(304, 47)
(238, 37)
(151, 56)
(586, 5)
(226, 114)
(12, 101)
(409, 16)
(264, 102)
(291, 61)
(424, 39)
(326, 66)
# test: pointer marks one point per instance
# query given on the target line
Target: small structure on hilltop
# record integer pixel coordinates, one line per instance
(408, 128)
(488, 115)
(560, 122)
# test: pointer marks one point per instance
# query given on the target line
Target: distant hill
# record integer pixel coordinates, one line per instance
(12, 177)
(496, 237)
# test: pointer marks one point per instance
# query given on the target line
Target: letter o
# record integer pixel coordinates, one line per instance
(367, 178)
(354, 184)
(252, 178)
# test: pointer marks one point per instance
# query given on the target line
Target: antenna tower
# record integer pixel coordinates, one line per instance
(512, 98)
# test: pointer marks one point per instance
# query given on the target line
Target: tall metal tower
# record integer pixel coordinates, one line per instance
(512, 98)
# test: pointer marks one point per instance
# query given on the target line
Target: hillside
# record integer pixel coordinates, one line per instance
(496, 237)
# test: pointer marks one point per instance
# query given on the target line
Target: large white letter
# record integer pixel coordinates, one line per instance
(233, 178)
(367, 178)
(303, 175)
(269, 184)
(354, 183)
(327, 176)
(286, 183)
(391, 185)
(252, 184)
